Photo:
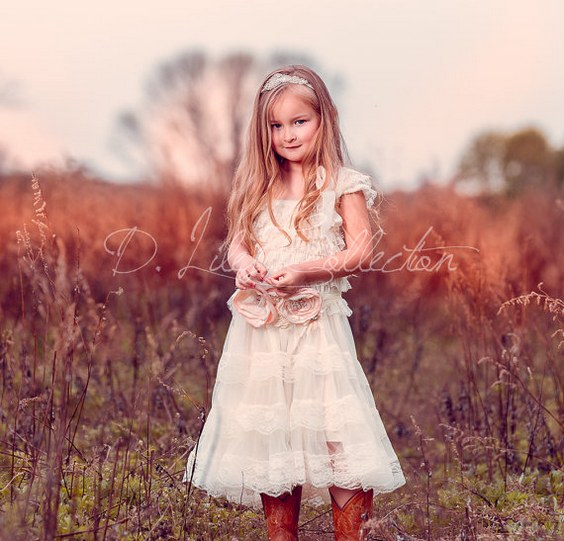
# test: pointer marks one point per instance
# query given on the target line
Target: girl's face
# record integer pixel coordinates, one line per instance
(293, 125)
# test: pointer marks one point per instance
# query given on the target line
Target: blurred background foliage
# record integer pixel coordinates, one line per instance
(512, 162)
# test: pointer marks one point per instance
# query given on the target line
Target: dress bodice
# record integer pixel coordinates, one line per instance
(324, 232)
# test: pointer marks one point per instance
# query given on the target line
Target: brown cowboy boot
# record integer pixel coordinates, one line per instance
(282, 515)
(349, 519)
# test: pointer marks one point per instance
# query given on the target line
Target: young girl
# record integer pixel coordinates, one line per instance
(291, 406)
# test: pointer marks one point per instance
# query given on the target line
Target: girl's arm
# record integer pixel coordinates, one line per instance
(357, 254)
(247, 269)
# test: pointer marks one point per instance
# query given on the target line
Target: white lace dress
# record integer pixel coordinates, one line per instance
(291, 404)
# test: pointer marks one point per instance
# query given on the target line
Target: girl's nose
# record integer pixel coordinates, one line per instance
(289, 135)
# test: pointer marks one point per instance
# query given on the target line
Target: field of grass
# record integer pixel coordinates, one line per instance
(112, 325)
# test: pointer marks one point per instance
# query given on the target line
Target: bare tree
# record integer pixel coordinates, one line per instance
(191, 126)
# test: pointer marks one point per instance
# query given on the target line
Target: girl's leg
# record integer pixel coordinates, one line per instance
(282, 515)
(341, 495)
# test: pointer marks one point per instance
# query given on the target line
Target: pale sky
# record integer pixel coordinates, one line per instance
(421, 77)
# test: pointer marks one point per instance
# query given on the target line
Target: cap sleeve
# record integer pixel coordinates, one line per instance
(350, 181)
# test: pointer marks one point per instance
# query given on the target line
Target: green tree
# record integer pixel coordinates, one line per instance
(482, 162)
(527, 160)
(495, 161)
(558, 167)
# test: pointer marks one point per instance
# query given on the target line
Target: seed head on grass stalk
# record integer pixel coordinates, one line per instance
(426, 467)
(552, 305)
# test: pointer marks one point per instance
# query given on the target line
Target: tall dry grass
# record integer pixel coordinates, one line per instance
(106, 378)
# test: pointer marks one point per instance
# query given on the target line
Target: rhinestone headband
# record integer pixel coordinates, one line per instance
(279, 79)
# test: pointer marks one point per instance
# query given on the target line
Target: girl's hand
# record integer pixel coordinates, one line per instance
(248, 275)
(285, 281)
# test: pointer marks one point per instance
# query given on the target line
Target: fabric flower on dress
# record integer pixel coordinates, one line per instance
(256, 306)
(260, 307)
(301, 307)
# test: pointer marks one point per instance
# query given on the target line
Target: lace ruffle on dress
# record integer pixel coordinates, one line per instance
(291, 404)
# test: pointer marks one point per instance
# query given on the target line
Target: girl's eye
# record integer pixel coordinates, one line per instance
(301, 121)
(275, 126)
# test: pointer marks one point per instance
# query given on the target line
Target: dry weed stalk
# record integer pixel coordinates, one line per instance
(552, 305)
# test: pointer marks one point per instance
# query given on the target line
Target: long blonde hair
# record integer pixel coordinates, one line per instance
(260, 167)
